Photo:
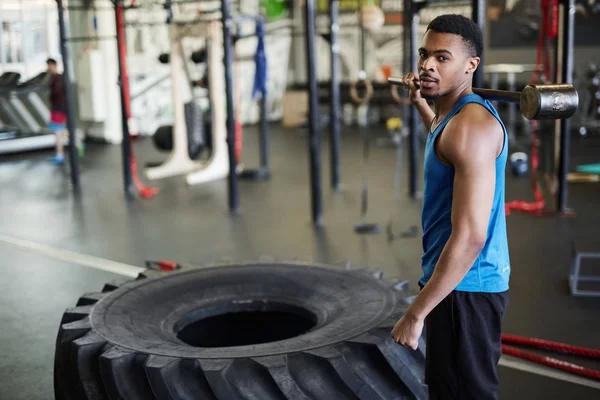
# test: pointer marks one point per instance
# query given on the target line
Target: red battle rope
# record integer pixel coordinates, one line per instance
(145, 192)
(548, 345)
(551, 362)
(548, 31)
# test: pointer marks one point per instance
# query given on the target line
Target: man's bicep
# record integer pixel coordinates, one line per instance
(474, 189)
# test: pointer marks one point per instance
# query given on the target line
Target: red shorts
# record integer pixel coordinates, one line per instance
(57, 117)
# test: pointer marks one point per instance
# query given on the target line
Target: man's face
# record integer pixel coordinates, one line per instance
(51, 68)
(443, 63)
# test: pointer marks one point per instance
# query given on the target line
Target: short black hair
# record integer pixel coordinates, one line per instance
(51, 61)
(464, 27)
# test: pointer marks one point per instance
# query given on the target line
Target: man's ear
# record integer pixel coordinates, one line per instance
(472, 65)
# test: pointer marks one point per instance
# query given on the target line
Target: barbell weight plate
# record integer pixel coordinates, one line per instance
(558, 101)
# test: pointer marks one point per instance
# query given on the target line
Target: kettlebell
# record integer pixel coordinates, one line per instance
(518, 163)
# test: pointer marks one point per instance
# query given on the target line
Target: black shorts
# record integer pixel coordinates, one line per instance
(463, 337)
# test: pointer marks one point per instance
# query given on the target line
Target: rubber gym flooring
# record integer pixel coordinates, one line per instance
(192, 225)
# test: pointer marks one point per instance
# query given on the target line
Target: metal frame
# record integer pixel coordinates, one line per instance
(335, 106)
(478, 15)
(575, 277)
(564, 66)
(73, 153)
(232, 181)
(314, 136)
(124, 95)
(409, 63)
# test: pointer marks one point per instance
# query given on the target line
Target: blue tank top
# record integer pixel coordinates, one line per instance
(491, 271)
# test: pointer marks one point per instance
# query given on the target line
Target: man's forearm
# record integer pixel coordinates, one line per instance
(425, 112)
(455, 261)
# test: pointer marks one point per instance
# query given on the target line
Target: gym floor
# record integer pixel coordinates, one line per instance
(192, 225)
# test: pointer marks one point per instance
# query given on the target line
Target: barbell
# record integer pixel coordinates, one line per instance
(554, 101)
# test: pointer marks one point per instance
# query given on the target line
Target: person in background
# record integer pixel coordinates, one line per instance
(58, 112)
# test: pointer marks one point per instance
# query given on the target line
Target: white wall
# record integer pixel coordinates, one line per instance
(34, 25)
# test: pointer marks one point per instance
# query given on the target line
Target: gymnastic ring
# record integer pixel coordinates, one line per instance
(395, 95)
(354, 91)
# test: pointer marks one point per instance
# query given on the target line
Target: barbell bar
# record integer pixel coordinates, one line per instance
(553, 101)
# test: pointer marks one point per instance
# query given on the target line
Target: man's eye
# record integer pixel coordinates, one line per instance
(423, 55)
(443, 58)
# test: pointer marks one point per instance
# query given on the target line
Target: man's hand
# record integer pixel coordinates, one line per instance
(419, 102)
(407, 331)
(415, 91)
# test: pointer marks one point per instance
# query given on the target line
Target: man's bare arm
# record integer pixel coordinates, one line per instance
(425, 112)
(419, 102)
(470, 144)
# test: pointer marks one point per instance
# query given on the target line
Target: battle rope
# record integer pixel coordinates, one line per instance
(548, 31)
(551, 361)
(549, 345)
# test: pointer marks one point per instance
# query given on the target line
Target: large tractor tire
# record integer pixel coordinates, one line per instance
(247, 331)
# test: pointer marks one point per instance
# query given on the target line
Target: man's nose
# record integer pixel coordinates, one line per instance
(428, 64)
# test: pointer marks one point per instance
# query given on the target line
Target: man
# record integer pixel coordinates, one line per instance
(58, 109)
(58, 112)
(465, 261)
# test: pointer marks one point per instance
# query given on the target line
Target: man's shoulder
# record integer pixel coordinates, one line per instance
(474, 116)
(474, 119)
(473, 129)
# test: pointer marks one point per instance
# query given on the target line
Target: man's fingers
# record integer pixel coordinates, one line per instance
(399, 341)
(409, 79)
(414, 344)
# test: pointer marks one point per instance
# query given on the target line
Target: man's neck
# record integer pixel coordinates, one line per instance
(444, 104)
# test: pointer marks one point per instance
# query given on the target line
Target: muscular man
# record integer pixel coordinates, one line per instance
(465, 261)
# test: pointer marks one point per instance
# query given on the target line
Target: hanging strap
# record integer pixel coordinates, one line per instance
(260, 59)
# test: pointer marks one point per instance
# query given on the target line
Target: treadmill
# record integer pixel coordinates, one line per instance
(24, 114)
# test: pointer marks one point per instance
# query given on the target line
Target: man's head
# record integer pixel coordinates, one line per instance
(451, 51)
(52, 66)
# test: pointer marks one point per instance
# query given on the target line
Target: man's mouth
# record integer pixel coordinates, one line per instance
(427, 82)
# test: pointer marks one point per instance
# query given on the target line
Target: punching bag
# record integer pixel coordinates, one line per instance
(196, 132)
(194, 122)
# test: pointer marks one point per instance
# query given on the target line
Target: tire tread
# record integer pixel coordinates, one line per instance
(124, 376)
